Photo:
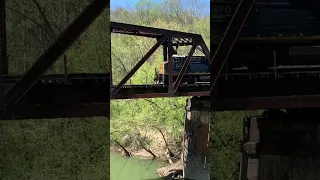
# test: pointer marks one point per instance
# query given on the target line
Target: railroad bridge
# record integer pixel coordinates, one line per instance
(34, 95)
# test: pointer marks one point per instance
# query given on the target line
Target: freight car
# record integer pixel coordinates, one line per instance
(197, 71)
(277, 33)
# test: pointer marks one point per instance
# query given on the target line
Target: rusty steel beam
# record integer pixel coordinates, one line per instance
(204, 47)
(130, 29)
(228, 40)
(256, 103)
(170, 66)
(138, 65)
(160, 95)
(48, 58)
(165, 51)
(184, 67)
(3, 39)
(62, 111)
(3, 55)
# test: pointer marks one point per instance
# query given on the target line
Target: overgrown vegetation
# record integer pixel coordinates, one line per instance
(59, 148)
(141, 118)
(132, 117)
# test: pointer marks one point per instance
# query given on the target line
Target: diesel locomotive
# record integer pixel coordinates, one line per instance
(197, 71)
(278, 34)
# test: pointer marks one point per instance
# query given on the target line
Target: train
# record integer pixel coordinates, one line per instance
(278, 34)
(198, 70)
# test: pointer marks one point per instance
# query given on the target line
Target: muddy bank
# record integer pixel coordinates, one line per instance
(151, 143)
(141, 153)
(158, 144)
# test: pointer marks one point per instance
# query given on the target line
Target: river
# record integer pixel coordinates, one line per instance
(133, 168)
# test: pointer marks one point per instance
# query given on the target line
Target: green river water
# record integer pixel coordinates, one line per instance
(133, 168)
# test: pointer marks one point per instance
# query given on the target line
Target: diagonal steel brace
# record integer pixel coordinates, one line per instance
(138, 65)
(228, 40)
(185, 66)
(47, 59)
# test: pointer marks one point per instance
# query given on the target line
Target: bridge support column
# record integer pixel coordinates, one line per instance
(196, 151)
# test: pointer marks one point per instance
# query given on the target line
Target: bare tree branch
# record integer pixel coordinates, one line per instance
(123, 66)
(25, 16)
(48, 24)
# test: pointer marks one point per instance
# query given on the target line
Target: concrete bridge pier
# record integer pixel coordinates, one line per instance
(196, 150)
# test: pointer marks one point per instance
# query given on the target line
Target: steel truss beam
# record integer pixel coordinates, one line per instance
(170, 65)
(256, 103)
(130, 29)
(168, 39)
(3, 55)
(184, 67)
(138, 65)
(228, 40)
(3, 41)
(80, 95)
(47, 59)
(160, 95)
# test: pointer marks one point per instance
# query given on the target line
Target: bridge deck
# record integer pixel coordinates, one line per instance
(57, 96)
(89, 94)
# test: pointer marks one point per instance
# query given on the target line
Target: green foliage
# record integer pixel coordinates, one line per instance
(63, 148)
(226, 131)
(54, 149)
(145, 115)
(32, 26)
(131, 116)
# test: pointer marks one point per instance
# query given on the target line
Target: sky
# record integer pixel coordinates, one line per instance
(125, 3)
(129, 4)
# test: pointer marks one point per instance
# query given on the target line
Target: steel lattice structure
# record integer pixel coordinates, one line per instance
(29, 97)
(168, 39)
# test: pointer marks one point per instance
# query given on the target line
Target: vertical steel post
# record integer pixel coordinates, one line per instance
(3, 55)
(275, 64)
(165, 51)
(65, 69)
(4, 59)
(170, 65)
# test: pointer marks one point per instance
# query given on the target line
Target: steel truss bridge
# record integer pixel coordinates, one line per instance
(34, 95)
(168, 39)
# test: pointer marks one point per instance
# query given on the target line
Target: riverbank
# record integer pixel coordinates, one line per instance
(160, 166)
(157, 143)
